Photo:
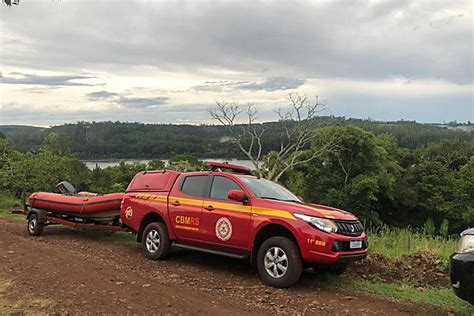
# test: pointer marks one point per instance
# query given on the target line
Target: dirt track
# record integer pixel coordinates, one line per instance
(69, 271)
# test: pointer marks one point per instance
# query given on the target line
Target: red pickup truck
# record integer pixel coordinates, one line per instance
(236, 214)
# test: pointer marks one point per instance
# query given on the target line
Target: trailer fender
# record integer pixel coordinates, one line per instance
(42, 215)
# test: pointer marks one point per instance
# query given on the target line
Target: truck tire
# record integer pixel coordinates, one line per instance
(155, 241)
(279, 262)
(34, 226)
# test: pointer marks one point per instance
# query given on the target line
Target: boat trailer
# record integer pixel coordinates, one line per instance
(38, 219)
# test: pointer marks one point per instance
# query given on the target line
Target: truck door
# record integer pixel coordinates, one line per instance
(185, 206)
(225, 222)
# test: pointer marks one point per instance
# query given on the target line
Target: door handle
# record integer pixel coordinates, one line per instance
(176, 203)
(209, 208)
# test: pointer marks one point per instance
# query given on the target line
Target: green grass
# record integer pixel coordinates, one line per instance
(396, 242)
(7, 203)
(444, 298)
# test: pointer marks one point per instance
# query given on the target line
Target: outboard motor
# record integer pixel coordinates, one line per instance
(66, 188)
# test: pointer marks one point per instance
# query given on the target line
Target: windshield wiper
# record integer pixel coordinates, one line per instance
(296, 201)
(270, 198)
(276, 199)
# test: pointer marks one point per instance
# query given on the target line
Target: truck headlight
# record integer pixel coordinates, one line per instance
(465, 244)
(320, 223)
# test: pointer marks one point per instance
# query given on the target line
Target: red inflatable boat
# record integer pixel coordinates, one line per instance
(83, 204)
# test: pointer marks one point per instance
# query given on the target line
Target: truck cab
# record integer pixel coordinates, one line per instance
(230, 212)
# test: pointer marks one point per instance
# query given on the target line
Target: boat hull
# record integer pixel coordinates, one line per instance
(99, 207)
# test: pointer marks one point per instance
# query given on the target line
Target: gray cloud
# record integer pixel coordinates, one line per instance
(351, 39)
(268, 84)
(55, 81)
(231, 43)
(273, 84)
(101, 95)
(132, 102)
(127, 101)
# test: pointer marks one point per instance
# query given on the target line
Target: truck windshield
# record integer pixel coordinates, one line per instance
(266, 189)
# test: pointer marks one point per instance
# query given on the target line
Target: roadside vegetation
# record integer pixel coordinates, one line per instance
(394, 243)
(7, 203)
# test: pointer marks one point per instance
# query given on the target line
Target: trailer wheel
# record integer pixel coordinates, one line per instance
(35, 227)
(155, 241)
(279, 262)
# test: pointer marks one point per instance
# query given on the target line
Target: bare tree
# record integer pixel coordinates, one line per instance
(297, 123)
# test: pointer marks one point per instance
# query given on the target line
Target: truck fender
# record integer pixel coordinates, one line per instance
(269, 229)
(151, 217)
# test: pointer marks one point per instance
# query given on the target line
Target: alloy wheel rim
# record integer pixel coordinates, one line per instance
(152, 241)
(32, 225)
(276, 262)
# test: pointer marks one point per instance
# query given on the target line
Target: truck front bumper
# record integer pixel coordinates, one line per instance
(324, 248)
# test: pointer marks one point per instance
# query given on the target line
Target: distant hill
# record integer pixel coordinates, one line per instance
(10, 129)
(97, 140)
(25, 137)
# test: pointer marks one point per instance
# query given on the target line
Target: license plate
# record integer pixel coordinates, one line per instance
(355, 244)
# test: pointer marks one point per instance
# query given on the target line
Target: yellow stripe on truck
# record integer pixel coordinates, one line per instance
(273, 212)
(220, 205)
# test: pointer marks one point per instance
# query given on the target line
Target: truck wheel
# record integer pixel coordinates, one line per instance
(279, 262)
(155, 241)
(35, 228)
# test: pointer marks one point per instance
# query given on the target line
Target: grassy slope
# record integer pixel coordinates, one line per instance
(7, 203)
(392, 244)
(442, 298)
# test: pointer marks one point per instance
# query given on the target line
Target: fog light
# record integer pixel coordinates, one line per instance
(336, 246)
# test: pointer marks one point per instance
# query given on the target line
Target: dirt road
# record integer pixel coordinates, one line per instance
(69, 271)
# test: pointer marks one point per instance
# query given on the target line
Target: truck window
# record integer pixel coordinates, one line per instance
(194, 185)
(221, 186)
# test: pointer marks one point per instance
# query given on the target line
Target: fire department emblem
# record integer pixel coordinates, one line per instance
(128, 213)
(223, 229)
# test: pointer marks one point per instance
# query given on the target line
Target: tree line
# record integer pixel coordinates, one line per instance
(119, 140)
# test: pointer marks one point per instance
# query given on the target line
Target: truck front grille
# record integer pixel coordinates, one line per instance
(349, 228)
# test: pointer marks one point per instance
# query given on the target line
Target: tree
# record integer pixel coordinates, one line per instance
(359, 177)
(41, 172)
(450, 153)
(464, 193)
(57, 144)
(298, 129)
(185, 163)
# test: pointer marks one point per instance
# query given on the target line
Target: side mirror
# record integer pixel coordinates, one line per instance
(302, 200)
(236, 195)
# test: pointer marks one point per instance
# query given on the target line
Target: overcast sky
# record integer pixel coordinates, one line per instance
(65, 61)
